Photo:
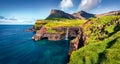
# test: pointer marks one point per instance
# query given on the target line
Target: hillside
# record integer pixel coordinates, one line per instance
(54, 14)
(93, 41)
(102, 42)
(56, 29)
(108, 13)
(58, 14)
(83, 15)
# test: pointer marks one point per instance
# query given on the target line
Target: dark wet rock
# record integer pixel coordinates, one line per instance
(78, 42)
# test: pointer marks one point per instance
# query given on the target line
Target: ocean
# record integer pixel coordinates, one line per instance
(17, 47)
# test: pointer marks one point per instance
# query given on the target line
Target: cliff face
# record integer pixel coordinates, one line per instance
(99, 32)
(58, 35)
(102, 42)
(39, 34)
(73, 32)
(78, 42)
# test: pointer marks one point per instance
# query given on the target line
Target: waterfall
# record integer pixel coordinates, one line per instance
(66, 36)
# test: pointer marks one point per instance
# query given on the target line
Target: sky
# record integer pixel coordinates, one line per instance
(28, 11)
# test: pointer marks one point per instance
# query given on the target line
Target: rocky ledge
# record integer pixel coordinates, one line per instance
(78, 42)
(60, 33)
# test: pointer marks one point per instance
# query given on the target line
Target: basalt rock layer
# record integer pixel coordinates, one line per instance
(78, 42)
(60, 33)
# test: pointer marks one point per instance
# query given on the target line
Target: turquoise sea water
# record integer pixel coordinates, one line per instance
(17, 47)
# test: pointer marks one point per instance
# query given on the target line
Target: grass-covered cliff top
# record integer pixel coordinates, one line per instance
(57, 23)
(102, 42)
(50, 24)
(65, 23)
(102, 39)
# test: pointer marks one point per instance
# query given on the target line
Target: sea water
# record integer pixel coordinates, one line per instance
(17, 47)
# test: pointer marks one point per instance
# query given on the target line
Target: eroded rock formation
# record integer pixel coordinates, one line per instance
(78, 42)
(60, 33)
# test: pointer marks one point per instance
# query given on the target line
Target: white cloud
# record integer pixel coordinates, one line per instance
(66, 4)
(87, 5)
(18, 21)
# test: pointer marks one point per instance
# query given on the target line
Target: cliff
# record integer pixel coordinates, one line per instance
(102, 42)
(94, 40)
(78, 42)
(57, 33)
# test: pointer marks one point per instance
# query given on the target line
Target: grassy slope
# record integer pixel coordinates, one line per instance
(102, 43)
(66, 23)
(49, 24)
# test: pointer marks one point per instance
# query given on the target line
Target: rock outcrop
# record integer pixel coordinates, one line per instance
(73, 32)
(77, 33)
(39, 34)
(58, 35)
(78, 42)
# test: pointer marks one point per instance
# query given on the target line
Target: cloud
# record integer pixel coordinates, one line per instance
(17, 21)
(87, 5)
(66, 4)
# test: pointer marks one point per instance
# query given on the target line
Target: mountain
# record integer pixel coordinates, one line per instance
(96, 40)
(83, 15)
(59, 14)
(109, 13)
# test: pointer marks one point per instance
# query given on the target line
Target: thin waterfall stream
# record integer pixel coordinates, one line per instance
(67, 31)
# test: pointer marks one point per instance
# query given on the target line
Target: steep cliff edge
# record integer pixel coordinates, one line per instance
(78, 42)
(95, 39)
(102, 42)
(57, 33)
(56, 29)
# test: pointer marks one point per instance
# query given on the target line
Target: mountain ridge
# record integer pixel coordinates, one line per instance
(78, 15)
(59, 14)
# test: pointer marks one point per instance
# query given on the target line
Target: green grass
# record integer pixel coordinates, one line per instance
(102, 45)
(50, 24)
(99, 29)
(102, 42)
(40, 23)
(65, 23)
(51, 31)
